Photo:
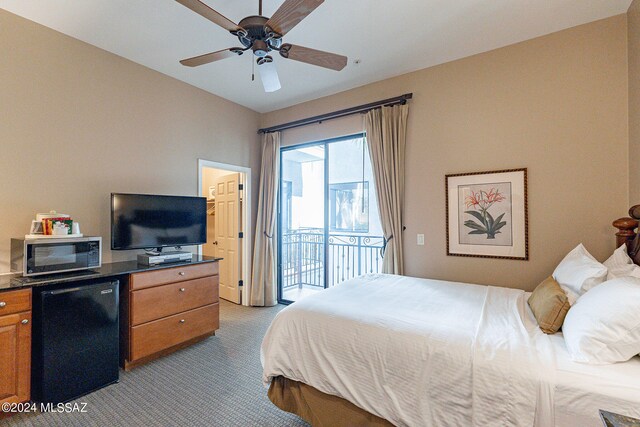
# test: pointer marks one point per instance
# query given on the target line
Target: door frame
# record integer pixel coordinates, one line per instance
(245, 213)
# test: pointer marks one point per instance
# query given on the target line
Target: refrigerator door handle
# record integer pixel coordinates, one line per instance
(67, 290)
(61, 291)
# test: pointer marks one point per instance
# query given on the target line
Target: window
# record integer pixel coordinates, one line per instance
(349, 207)
(287, 197)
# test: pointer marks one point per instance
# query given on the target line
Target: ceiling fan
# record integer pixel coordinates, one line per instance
(263, 35)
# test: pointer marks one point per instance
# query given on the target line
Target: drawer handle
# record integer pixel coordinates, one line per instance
(181, 273)
(25, 321)
(3, 304)
(181, 320)
(182, 289)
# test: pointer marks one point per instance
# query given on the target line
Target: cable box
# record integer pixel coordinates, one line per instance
(164, 258)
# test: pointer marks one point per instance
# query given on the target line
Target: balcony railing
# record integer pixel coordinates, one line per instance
(349, 255)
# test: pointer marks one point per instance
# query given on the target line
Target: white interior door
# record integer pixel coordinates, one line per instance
(227, 228)
(210, 249)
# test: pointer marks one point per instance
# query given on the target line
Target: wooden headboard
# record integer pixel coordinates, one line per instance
(627, 233)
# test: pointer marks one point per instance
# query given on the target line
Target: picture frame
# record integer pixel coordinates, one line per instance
(487, 214)
(36, 227)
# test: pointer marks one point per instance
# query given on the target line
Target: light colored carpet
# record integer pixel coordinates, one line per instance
(214, 383)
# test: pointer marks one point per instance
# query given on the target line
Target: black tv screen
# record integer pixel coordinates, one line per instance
(143, 221)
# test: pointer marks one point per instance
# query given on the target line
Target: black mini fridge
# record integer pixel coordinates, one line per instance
(75, 340)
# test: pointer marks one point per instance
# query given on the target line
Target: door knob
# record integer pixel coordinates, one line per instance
(214, 243)
(181, 320)
(181, 289)
(25, 321)
(181, 273)
(3, 304)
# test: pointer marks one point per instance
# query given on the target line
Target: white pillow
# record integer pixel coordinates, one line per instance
(604, 325)
(578, 272)
(620, 265)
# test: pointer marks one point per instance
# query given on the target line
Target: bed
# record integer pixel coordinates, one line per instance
(384, 349)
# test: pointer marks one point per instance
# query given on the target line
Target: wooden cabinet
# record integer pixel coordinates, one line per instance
(167, 309)
(15, 346)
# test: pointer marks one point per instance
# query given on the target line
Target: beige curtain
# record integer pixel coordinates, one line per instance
(264, 273)
(386, 132)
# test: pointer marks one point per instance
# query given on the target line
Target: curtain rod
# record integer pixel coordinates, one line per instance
(402, 99)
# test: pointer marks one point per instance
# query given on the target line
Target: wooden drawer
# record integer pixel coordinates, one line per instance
(171, 275)
(161, 301)
(161, 334)
(15, 301)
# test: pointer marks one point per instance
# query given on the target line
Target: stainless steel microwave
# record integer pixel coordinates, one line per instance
(34, 257)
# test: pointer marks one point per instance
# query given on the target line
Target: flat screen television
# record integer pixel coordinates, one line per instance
(144, 221)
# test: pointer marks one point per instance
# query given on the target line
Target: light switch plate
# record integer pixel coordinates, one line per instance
(420, 239)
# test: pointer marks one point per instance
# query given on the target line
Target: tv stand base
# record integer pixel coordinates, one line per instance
(164, 257)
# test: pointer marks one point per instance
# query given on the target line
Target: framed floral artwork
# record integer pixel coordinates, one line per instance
(487, 214)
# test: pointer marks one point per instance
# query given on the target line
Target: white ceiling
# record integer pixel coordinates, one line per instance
(390, 37)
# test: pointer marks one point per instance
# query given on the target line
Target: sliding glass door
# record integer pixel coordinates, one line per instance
(302, 196)
(329, 227)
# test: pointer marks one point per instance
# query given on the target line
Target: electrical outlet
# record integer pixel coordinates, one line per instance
(420, 239)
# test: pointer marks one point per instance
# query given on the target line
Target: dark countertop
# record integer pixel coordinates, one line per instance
(107, 270)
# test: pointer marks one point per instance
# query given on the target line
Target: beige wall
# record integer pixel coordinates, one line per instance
(633, 31)
(77, 123)
(556, 105)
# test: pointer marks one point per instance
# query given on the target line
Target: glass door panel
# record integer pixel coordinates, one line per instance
(302, 222)
(355, 233)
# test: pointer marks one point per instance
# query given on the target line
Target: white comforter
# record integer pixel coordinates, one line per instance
(421, 352)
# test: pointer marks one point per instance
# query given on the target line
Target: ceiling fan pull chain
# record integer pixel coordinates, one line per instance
(253, 70)
(260, 7)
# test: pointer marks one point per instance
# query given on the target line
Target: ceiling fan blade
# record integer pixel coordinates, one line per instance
(290, 13)
(202, 9)
(269, 76)
(211, 57)
(313, 56)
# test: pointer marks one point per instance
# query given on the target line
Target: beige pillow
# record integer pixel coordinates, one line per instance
(549, 304)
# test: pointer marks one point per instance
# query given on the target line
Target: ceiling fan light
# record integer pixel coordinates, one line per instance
(268, 74)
